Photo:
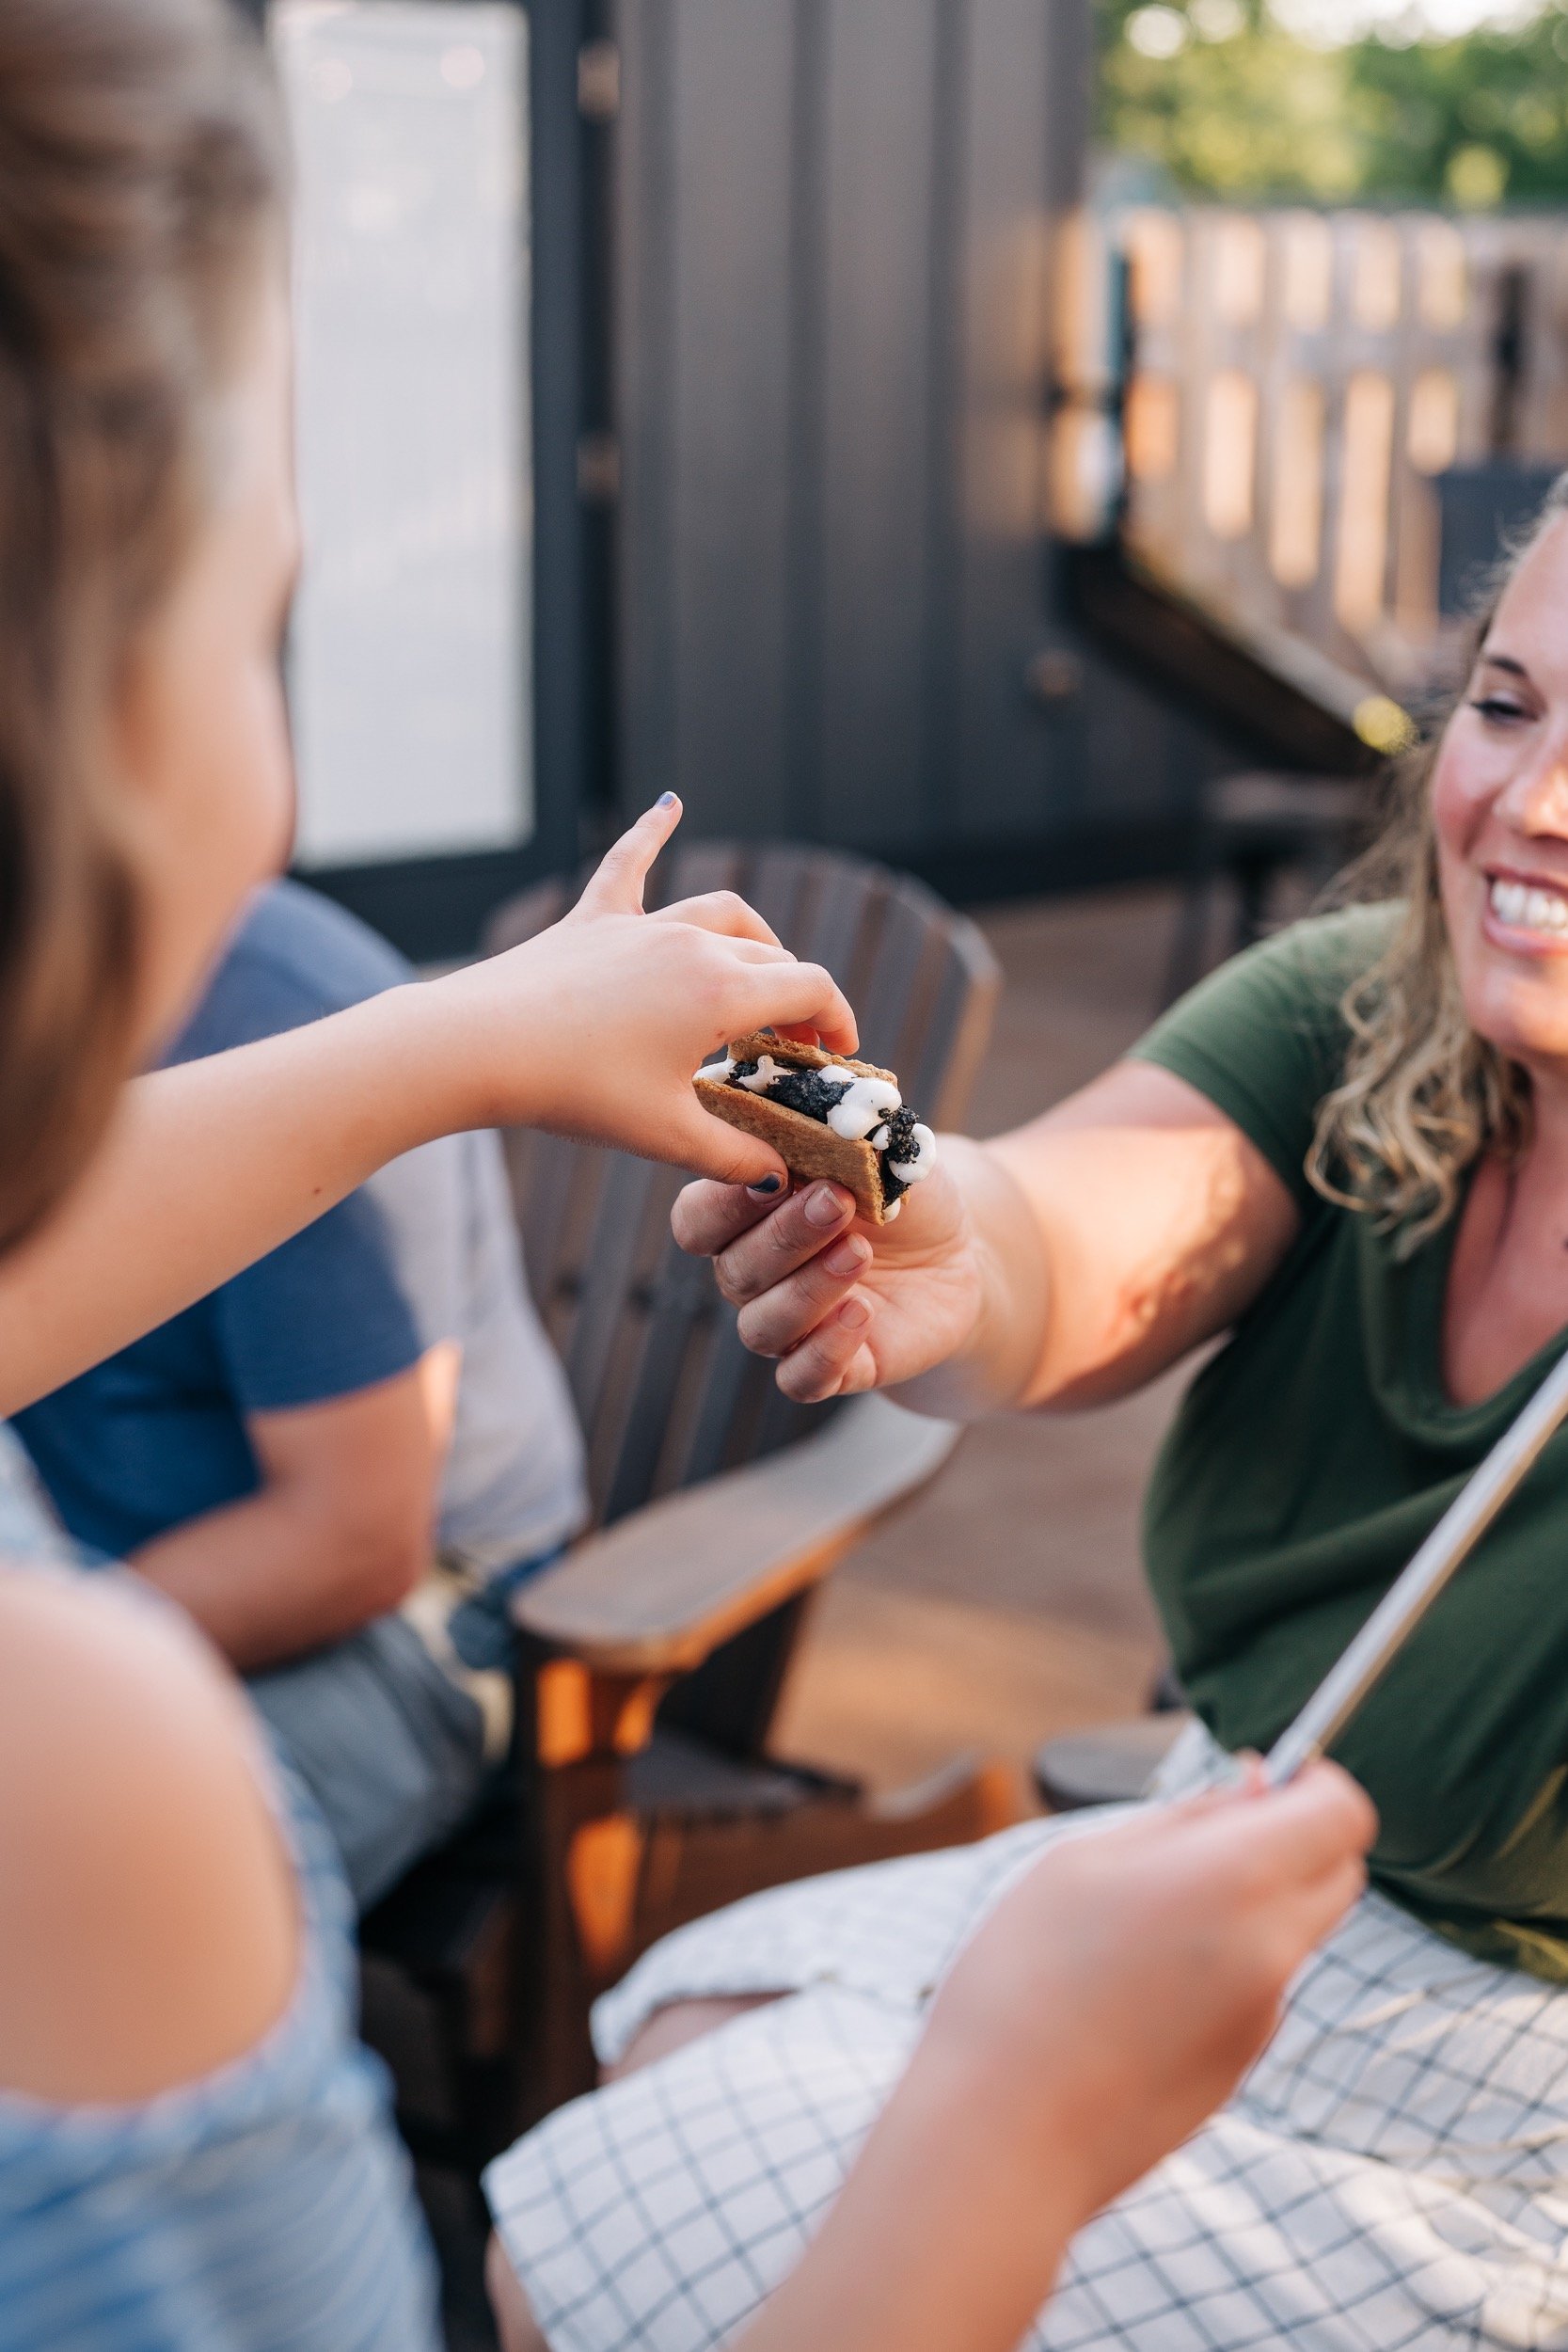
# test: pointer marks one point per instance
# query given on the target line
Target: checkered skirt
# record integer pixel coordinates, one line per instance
(1393, 2172)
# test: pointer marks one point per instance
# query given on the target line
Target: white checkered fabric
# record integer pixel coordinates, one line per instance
(1393, 2174)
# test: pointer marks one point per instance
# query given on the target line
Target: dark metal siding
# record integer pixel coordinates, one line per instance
(833, 286)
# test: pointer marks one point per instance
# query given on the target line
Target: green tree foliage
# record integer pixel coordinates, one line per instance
(1221, 97)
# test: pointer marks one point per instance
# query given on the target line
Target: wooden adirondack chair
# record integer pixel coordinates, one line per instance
(652, 1658)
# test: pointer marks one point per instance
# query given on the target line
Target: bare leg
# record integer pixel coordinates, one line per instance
(679, 2022)
(515, 2322)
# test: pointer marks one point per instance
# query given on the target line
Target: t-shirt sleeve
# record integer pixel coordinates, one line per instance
(321, 1317)
(360, 1294)
(1264, 1038)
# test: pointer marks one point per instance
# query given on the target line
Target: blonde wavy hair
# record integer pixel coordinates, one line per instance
(1422, 1095)
(141, 181)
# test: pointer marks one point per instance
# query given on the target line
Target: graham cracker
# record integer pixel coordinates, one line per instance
(802, 1056)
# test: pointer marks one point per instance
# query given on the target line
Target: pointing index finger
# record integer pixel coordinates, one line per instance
(616, 885)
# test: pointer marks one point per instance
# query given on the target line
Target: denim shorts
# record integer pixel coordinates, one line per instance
(394, 1749)
(390, 1748)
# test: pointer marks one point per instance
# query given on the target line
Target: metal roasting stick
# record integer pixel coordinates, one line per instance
(1407, 1600)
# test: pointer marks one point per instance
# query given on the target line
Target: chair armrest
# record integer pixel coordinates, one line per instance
(659, 1590)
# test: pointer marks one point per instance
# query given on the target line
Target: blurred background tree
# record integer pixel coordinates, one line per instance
(1341, 101)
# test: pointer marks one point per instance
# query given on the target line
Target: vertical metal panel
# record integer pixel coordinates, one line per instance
(732, 86)
(1000, 747)
(834, 224)
(571, 669)
(872, 606)
(645, 371)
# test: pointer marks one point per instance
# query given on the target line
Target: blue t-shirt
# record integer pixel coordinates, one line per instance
(425, 1252)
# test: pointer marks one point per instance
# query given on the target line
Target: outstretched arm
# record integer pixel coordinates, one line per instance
(1061, 1265)
(593, 1029)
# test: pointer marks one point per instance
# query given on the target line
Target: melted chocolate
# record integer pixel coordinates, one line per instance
(806, 1091)
(900, 1146)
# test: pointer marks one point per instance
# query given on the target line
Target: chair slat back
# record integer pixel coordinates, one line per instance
(666, 1391)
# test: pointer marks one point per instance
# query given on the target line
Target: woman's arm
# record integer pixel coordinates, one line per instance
(591, 1029)
(1061, 1265)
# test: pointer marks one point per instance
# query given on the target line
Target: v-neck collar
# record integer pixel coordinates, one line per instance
(1426, 1285)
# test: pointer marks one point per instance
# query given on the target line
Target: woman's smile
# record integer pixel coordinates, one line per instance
(1526, 914)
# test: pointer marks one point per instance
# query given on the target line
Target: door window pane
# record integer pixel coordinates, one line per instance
(409, 665)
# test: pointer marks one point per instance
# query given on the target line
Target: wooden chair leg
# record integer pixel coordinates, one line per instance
(604, 1880)
(583, 1862)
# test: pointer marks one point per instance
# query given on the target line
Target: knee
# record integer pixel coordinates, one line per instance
(679, 2022)
(515, 2325)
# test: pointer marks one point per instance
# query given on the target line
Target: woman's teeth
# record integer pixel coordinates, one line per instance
(1524, 909)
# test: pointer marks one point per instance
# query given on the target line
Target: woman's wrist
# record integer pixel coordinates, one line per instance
(990, 1368)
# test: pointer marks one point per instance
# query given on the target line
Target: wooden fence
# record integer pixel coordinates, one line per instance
(1289, 385)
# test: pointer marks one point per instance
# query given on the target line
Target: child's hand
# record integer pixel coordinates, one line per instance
(1120, 1990)
(596, 1027)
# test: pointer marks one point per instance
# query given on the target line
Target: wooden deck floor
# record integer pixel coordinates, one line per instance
(1007, 1602)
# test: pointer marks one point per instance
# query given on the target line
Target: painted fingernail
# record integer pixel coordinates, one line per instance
(765, 1187)
(847, 1257)
(855, 1313)
(824, 1206)
(665, 800)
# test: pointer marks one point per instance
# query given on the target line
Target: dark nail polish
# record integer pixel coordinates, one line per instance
(665, 800)
(766, 1185)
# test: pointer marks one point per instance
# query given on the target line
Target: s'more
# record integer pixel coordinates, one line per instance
(825, 1116)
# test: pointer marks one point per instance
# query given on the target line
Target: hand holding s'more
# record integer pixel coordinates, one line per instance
(825, 1115)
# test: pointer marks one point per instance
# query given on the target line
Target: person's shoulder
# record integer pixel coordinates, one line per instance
(1325, 954)
(300, 930)
(1293, 982)
(1265, 1036)
(295, 956)
(150, 1930)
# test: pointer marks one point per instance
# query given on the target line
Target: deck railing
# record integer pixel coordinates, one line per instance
(1284, 387)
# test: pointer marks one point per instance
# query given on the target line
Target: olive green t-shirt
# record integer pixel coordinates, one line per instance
(1311, 1456)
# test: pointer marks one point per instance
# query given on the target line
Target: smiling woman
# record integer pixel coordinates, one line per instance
(1344, 1159)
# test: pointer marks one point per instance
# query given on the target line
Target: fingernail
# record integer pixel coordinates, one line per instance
(665, 800)
(823, 1206)
(847, 1257)
(765, 1187)
(855, 1313)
